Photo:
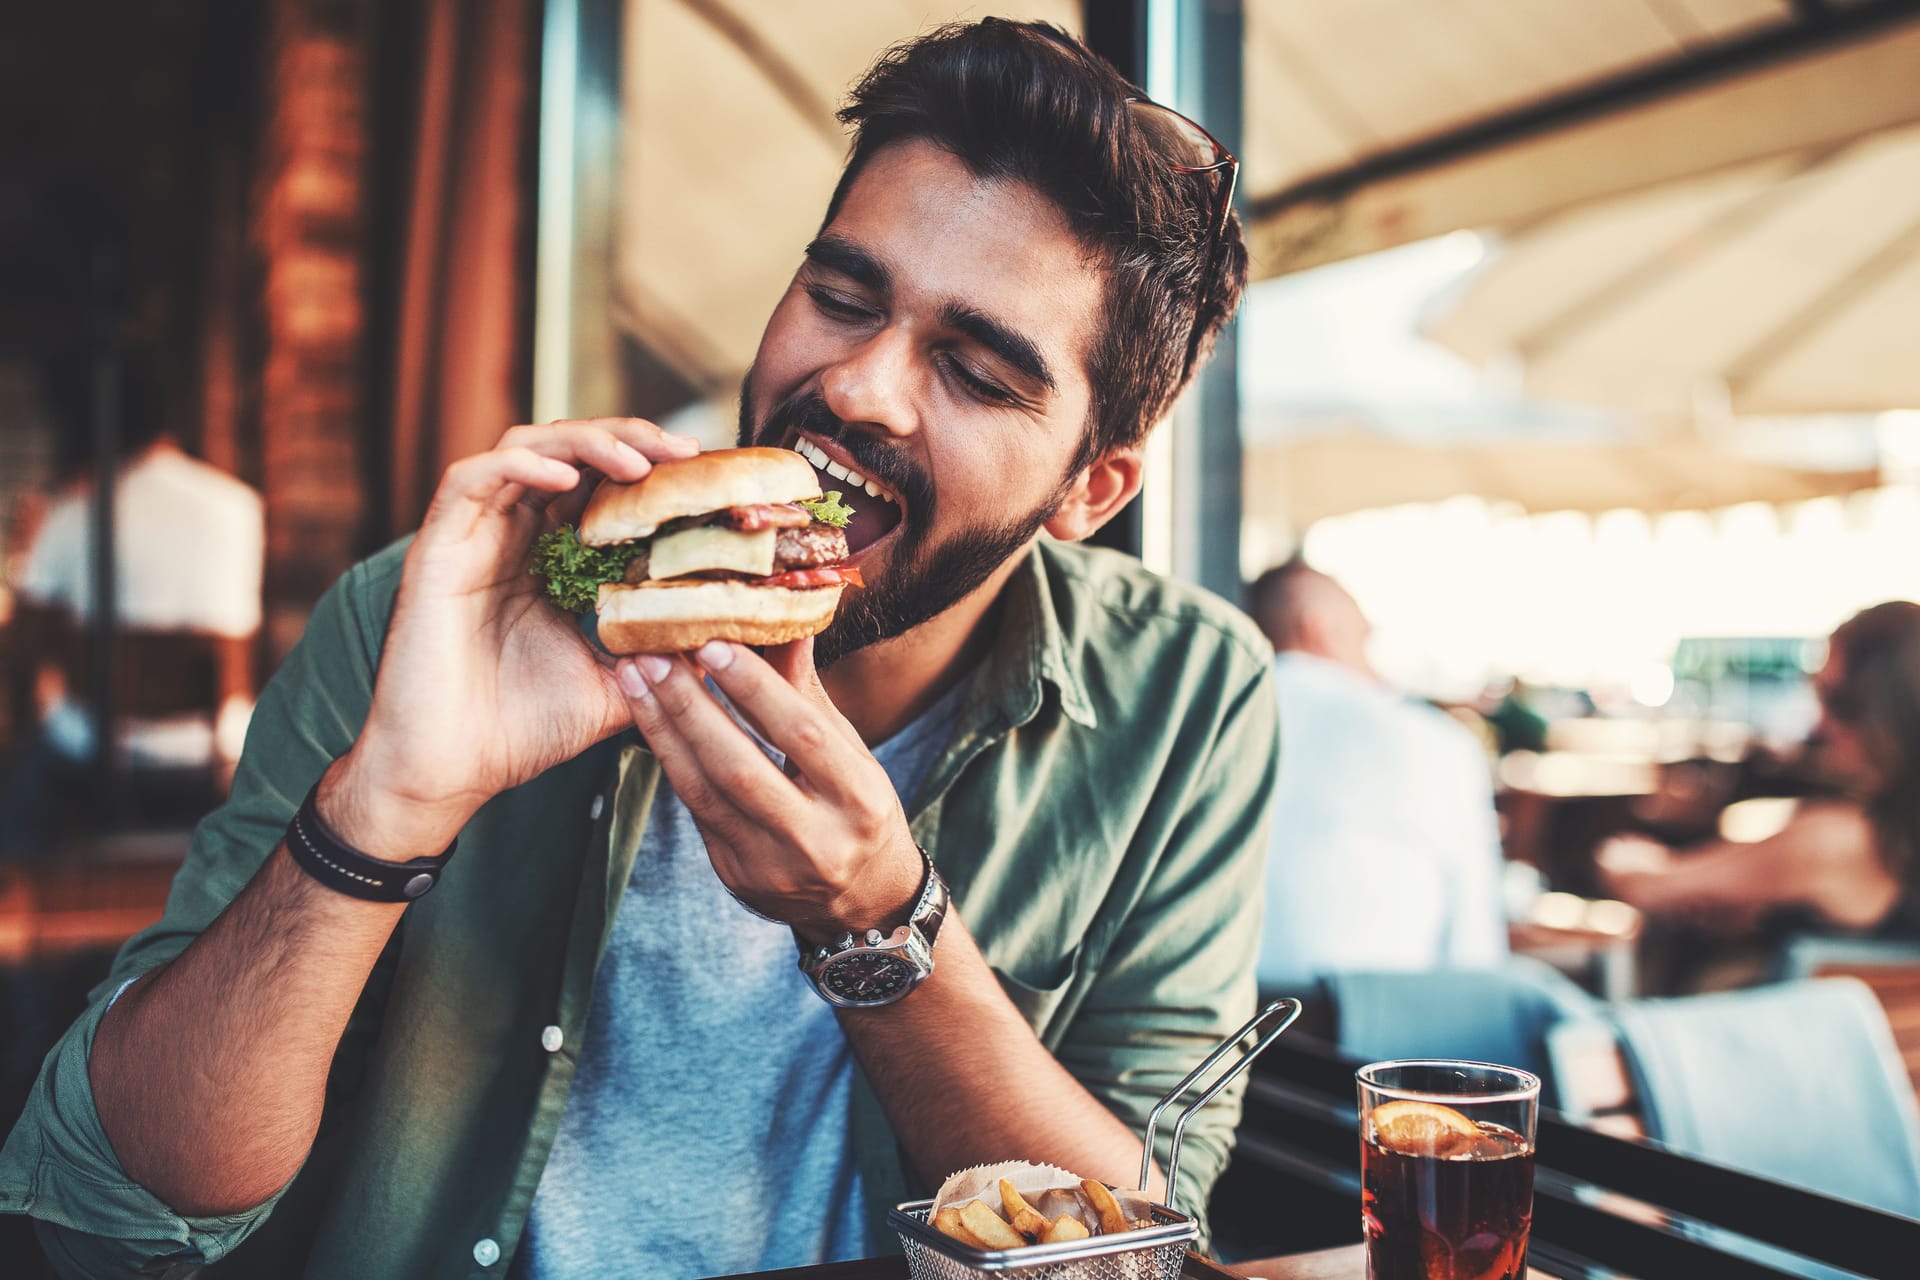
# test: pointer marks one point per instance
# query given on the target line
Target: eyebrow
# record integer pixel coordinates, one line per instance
(851, 261)
(834, 253)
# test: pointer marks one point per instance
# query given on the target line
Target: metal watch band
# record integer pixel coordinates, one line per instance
(340, 867)
(931, 909)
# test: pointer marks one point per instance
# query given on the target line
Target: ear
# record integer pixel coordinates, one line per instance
(1097, 494)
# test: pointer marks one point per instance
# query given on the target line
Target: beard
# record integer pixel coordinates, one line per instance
(923, 578)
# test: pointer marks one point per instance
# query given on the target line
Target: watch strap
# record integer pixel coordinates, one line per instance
(339, 866)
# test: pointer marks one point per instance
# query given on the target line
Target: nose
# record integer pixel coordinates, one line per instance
(871, 384)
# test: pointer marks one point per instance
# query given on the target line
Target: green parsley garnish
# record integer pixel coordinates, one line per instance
(829, 509)
(573, 570)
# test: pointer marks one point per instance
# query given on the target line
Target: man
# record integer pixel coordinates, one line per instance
(589, 1050)
(1385, 852)
(189, 548)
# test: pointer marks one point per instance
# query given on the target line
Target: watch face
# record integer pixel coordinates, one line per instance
(867, 977)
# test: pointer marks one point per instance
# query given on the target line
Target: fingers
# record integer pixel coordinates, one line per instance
(717, 770)
(494, 481)
(594, 441)
(793, 711)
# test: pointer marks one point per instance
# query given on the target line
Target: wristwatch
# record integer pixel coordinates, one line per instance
(878, 969)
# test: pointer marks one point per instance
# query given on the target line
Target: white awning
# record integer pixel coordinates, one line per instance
(1790, 286)
(1371, 123)
(1300, 481)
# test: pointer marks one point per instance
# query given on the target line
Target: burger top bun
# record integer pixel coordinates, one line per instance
(673, 617)
(695, 486)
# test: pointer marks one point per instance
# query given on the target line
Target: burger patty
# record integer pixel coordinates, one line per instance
(809, 548)
(813, 547)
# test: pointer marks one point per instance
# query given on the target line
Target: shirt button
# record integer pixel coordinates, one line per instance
(486, 1251)
(593, 810)
(551, 1039)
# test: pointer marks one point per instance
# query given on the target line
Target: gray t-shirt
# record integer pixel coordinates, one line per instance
(706, 1131)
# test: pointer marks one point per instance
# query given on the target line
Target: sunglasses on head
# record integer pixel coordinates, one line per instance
(1190, 149)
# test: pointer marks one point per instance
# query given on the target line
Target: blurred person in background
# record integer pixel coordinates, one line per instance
(1849, 860)
(1384, 850)
(189, 551)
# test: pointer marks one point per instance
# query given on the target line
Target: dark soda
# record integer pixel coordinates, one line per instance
(1455, 1209)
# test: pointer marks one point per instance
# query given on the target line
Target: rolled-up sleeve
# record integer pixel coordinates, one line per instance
(57, 1165)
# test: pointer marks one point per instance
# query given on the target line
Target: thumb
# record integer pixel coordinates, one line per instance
(794, 662)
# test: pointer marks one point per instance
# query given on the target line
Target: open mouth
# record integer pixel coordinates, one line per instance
(876, 509)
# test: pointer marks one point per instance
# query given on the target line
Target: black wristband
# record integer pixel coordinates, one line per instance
(344, 869)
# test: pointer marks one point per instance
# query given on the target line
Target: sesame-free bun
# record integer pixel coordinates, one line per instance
(695, 486)
(683, 614)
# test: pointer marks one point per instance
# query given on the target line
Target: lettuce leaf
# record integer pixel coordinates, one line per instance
(573, 571)
(829, 509)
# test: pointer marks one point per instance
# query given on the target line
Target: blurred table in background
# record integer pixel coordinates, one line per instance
(95, 894)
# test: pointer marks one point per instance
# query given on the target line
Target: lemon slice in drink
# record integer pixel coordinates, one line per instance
(1422, 1128)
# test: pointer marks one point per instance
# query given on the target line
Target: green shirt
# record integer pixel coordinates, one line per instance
(1099, 814)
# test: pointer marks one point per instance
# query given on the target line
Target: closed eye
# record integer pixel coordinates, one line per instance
(837, 305)
(976, 386)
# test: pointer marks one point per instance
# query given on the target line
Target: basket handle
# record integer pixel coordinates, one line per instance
(1289, 1007)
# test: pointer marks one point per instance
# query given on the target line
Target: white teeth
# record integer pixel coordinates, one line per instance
(818, 457)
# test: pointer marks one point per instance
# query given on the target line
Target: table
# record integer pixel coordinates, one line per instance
(1346, 1263)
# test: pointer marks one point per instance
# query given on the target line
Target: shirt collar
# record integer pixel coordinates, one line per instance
(1035, 649)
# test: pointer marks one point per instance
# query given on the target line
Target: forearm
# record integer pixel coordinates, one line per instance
(965, 1081)
(209, 1074)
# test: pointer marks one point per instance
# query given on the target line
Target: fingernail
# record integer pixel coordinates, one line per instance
(674, 437)
(653, 667)
(630, 682)
(716, 655)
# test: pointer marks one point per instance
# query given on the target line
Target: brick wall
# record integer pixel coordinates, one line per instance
(309, 228)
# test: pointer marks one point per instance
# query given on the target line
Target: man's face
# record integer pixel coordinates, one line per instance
(935, 342)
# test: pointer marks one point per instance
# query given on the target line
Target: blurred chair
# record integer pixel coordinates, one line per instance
(171, 692)
(1799, 1081)
(1891, 966)
(1485, 1015)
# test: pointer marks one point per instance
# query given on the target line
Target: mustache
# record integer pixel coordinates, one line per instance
(884, 463)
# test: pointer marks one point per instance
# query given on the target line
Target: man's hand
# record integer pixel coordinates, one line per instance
(823, 846)
(483, 684)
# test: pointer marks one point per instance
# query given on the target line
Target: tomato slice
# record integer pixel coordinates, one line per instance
(830, 576)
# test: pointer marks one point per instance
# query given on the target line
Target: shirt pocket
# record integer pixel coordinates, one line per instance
(1040, 987)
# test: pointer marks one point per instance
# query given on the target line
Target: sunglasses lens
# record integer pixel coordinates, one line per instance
(1180, 140)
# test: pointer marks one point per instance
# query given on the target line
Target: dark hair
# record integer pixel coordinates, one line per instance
(1275, 601)
(68, 389)
(1878, 696)
(1027, 102)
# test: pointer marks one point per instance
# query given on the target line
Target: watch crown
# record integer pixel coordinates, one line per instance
(845, 943)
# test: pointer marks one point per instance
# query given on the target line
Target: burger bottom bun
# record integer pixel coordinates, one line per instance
(675, 618)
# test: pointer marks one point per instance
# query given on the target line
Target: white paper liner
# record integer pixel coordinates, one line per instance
(1050, 1189)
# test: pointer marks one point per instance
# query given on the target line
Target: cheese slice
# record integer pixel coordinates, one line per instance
(710, 547)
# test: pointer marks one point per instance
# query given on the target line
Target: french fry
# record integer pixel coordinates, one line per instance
(1018, 1212)
(1112, 1221)
(948, 1222)
(989, 1227)
(1064, 1227)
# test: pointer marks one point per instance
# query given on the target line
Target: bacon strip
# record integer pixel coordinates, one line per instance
(768, 515)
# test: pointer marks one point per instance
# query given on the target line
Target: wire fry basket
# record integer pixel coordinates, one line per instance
(1155, 1252)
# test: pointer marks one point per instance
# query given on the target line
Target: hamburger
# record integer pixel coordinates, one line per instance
(736, 544)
